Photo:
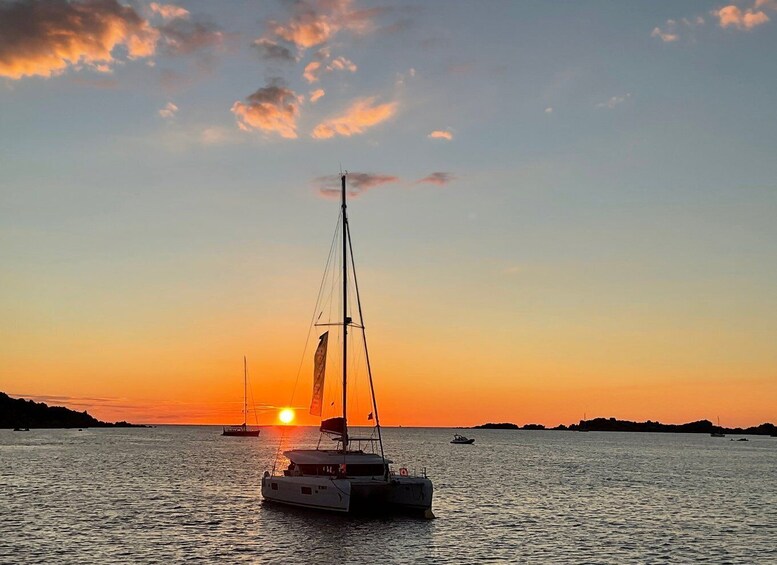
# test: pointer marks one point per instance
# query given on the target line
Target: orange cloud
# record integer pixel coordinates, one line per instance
(441, 134)
(341, 64)
(273, 109)
(44, 38)
(733, 16)
(316, 22)
(311, 71)
(316, 94)
(169, 11)
(439, 178)
(362, 115)
(358, 183)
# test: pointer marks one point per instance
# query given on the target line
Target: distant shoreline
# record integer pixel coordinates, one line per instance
(21, 414)
(614, 425)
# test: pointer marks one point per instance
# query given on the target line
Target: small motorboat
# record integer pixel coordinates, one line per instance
(740, 439)
(461, 439)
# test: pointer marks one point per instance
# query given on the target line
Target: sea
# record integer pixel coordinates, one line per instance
(175, 494)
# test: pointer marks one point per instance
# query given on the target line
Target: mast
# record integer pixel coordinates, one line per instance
(366, 351)
(346, 320)
(245, 394)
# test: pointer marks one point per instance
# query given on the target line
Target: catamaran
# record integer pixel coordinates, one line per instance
(242, 430)
(355, 476)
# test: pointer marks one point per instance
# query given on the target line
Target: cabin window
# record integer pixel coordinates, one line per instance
(366, 470)
(306, 490)
(274, 486)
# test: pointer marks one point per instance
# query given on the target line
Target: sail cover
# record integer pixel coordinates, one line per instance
(319, 370)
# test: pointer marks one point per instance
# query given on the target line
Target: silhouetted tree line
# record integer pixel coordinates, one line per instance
(21, 413)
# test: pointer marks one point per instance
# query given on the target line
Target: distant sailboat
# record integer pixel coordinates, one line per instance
(243, 430)
(719, 431)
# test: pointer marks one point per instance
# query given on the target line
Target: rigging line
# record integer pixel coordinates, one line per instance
(251, 395)
(366, 350)
(307, 339)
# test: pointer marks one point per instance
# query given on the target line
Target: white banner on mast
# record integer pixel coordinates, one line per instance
(319, 370)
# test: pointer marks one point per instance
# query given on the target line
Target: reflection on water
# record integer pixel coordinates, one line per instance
(182, 493)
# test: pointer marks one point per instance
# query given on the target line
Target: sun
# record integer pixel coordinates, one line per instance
(286, 416)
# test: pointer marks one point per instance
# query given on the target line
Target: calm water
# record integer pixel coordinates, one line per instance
(186, 494)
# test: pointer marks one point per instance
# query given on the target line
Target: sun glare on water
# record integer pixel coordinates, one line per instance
(286, 416)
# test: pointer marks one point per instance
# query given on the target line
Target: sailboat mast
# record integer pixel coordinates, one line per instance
(245, 392)
(345, 317)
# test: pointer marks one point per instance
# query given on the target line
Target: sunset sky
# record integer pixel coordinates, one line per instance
(560, 208)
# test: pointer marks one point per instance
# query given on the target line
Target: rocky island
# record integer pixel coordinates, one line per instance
(20, 413)
(614, 425)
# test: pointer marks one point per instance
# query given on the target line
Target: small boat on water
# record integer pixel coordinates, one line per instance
(719, 431)
(21, 429)
(242, 430)
(461, 439)
(740, 439)
(355, 476)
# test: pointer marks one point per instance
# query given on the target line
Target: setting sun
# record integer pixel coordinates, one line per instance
(286, 415)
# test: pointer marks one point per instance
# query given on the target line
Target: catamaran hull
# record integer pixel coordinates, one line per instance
(406, 495)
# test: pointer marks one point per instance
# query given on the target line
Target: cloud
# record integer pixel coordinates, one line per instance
(360, 116)
(45, 37)
(316, 94)
(168, 11)
(614, 101)
(549, 110)
(438, 178)
(665, 35)
(441, 134)
(215, 135)
(357, 183)
(311, 71)
(733, 16)
(272, 109)
(671, 30)
(169, 111)
(184, 36)
(271, 50)
(341, 64)
(315, 22)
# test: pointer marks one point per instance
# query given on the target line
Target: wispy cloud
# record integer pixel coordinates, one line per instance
(271, 50)
(169, 111)
(668, 34)
(185, 36)
(671, 30)
(45, 37)
(272, 109)
(168, 11)
(549, 110)
(341, 64)
(441, 134)
(360, 116)
(316, 94)
(614, 101)
(329, 186)
(438, 178)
